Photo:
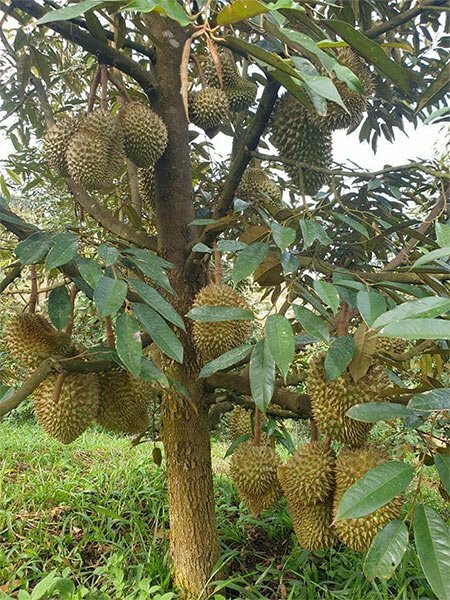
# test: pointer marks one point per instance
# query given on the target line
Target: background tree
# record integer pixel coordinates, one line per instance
(335, 257)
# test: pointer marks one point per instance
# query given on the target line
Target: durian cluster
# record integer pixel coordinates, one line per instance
(240, 424)
(91, 149)
(302, 135)
(257, 187)
(67, 404)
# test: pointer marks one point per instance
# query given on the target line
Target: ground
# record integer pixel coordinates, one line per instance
(94, 514)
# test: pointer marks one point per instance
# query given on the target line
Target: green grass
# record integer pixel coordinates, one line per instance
(94, 513)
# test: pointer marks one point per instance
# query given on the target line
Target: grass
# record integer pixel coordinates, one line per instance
(90, 521)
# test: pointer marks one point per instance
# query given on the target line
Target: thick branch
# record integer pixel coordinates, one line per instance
(26, 388)
(14, 274)
(403, 17)
(104, 53)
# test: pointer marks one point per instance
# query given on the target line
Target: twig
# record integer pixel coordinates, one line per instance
(33, 292)
(93, 89)
(257, 428)
(14, 274)
(104, 83)
(73, 294)
(217, 264)
(110, 339)
(314, 430)
(58, 387)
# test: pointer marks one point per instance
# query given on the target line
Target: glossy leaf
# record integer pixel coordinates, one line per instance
(443, 234)
(58, 307)
(328, 293)
(442, 464)
(128, 343)
(438, 87)
(431, 535)
(156, 301)
(386, 551)
(432, 400)
(372, 412)
(352, 223)
(280, 340)
(169, 8)
(320, 85)
(248, 260)
(371, 305)
(152, 266)
(64, 248)
(69, 12)
(33, 249)
(109, 295)
(239, 10)
(418, 329)
(150, 372)
(432, 256)
(282, 236)
(226, 360)
(212, 314)
(338, 357)
(311, 323)
(108, 254)
(422, 308)
(160, 332)
(262, 375)
(312, 231)
(90, 270)
(374, 489)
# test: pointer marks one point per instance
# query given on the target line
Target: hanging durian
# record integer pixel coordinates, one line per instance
(239, 423)
(391, 345)
(253, 470)
(298, 139)
(242, 95)
(330, 400)
(312, 526)
(208, 108)
(70, 414)
(257, 187)
(56, 141)
(146, 186)
(350, 466)
(229, 72)
(145, 134)
(214, 338)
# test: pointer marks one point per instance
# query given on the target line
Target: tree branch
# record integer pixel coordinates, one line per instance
(403, 17)
(14, 274)
(26, 388)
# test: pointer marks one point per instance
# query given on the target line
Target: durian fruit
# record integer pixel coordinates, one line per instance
(124, 402)
(256, 186)
(230, 74)
(350, 466)
(312, 526)
(146, 186)
(391, 345)
(253, 470)
(214, 338)
(308, 476)
(330, 400)
(297, 138)
(239, 423)
(145, 134)
(70, 415)
(56, 141)
(242, 95)
(337, 117)
(208, 108)
(31, 339)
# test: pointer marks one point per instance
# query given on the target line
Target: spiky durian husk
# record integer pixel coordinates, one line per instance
(391, 345)
(337, 117)
(312, 526)
(104, 124)
(208, 108)
(213, 339)
(297, 138)
(56, 141)
(308, 475)
(31, 339)
(239, 423)
(330, 400)
(146, 185)
(70, 415)
(350, 466)
(242, 95)
(256, 186)
(145, 134)
(253, 470)
(230, 74)
(124, 402)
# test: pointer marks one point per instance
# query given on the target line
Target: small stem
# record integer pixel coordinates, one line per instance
(104, 81)
(201, 74)
(342, 320)
(217, 264)
(58, 387)
(327, 442)
(257, 427)
(93, 90)
(73, 295)
(34, 290)
(314, 430)
(120, 86)
(110, 339)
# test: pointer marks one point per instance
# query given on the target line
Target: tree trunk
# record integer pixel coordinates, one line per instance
(185, 429)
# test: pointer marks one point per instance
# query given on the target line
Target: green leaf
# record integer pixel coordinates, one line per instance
(312, 231)
(226, 360)
(371, 412)
(328, 293)
(109, 295)
(33, 249)
(128, 343)
(156, 301)
(435, 89)
(262, 375)
(230, 245)
(431, 256)
(108, 254)
(338, 356)
(320, 85)
(153, 266)
(442, 464)
(443, 234)
(374, 489)
(90, 270)
(160, 332)
(386, 551)
(58, 307)
(204, 222)
(45, 586)
(371, 305)
(280, 341)
(65, 246)
(69, 12)
(425, 307)
(431, 535)
(374, 54)
(150, 372)
(353, 223)
(169, 8)
(311, 323)
(202, 248)
(432, 400)
(282, 236)
(248, 260)
(418, 329)
(212, 314)
(239, 10)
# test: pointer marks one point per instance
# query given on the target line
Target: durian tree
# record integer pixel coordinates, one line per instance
(212, 277)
